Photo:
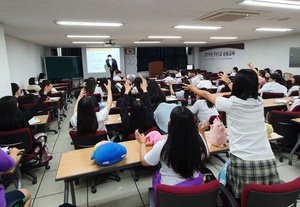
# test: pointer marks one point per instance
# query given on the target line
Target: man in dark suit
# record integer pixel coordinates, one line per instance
(112, 65)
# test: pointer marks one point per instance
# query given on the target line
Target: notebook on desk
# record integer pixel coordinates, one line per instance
(34, 120)
(280, 101)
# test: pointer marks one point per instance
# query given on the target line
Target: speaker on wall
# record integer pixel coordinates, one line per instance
(190, 49)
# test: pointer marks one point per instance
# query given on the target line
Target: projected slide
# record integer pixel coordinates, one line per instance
(96, 58)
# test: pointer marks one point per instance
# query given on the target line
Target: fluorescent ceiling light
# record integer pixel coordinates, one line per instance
(88, 36)
(223, 38)
(196, 27)
(146, 42)
(274, 29)
(79, 42)
(93, 24)
(164, 37)
(194, 42)
(273, 3)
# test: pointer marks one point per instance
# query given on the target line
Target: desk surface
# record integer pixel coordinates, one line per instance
(43, 119)
(77, 163)
(52, 100)
(297, 120)
(113, 119)
(271, 102)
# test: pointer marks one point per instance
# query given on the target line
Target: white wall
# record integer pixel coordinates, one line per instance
(270, 53)
(4, 69)
(25, 60)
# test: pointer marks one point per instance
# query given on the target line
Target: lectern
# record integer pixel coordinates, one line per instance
(155, 68)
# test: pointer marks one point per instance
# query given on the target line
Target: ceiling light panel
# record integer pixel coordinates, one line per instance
(164, 37)
(88, 36)
(197, 27)
(146, 42)
(273, 3)
(92, 24)
(274, 29)
(190, 42)
(80, 42)
(223, 38)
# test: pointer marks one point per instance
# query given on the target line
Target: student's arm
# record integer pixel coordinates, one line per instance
(204, 94)
(226, 79)
(28, 114)
(171, 88)
(288, 104)
(253, 68)
(141, 139)
(8, 161)
(109, 95)
(202, 127)
(147, 102)
(82, 94)
(124, 103)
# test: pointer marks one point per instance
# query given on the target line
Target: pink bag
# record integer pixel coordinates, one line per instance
(218, 134)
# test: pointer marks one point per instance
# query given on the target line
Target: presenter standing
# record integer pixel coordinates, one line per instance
(112, 65)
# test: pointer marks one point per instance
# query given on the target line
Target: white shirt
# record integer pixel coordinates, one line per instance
(162, 115)
(273, 87)
(117, 78)
(99, 90)
(203, 111)
(178, 75)
(168, 175)
(168, 79)
(177, 81)
(101, 117)
(246, 127)
(204, 84)
(195, 80)
(294, 88)
(200, 76)
(179, 94)
(295, 103)
(37, 88)
(53, 90)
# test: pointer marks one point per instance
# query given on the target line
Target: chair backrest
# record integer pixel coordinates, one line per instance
(296, 108)
(278, 195)
(19, 138)
(282, 124)
(294, 93)
(201, 195)
(266, 95)
(87, 140)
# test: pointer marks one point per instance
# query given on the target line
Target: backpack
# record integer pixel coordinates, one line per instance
(41, 150)
(218, 134)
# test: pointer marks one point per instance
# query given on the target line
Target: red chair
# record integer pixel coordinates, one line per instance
(296, 109)
(279, 195)
(23, 139)
(266, 95)
(205, 195)
(294, 93)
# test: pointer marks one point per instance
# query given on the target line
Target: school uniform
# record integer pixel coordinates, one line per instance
(203, 111)
(204, 84)
(273, 87)
(293, 88)
(295, 103)
(37, 88)
(162, 115)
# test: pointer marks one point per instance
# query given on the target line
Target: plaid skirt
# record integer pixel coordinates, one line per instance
(241, 172)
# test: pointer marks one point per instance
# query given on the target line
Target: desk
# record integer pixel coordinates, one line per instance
(68, 170)
(113, 119)
(296, 120)
(43, 119)
(55, 102)
(271, 102)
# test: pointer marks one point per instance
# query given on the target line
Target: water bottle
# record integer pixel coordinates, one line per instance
(179, 103)
(189, 101)
(217, 83)
(102, 104)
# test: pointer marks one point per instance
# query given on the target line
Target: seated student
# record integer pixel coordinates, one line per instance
(164, 74)
(234, 71)
(260, 74)
(181, 155)
(268, 73)
(177, 73)
(170, 78)
(118, 77)
(7, 161)
(184, 74)
(292, 103)
(92, 87)
(85, 119)
(141, 113)
(42, 77)
(11, 116)
(33, 84)
(252, 158)
(199, 71)
(204, 109)
(137, 86)
(296, 83)
(20, 95)
(205, 83)
(273, 86)
(279, 72)
(47, 83)
(155, 92)
(182, 94)
(193, 76)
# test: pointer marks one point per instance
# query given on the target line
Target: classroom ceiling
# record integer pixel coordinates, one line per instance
(33, 20)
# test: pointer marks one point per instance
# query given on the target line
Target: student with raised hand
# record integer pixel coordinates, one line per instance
(141, 113)
(47, 83)
(252, 159)
(181, 154)
(7, 161)
(85, 119)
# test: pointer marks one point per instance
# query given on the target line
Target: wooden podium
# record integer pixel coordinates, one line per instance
(155, 68)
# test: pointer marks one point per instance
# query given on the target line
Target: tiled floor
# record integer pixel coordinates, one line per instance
(126, 193)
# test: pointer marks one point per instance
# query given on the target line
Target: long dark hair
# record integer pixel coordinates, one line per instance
(297, 80)
(14, 88)
(137, 83)
(41, 76)
(245, 84)
(208, 103)
(86, 117)
(184, 150)
(44, 84)
(156, 94)
(11, 116)
(138, 117)
(90, 85)
(31, 81)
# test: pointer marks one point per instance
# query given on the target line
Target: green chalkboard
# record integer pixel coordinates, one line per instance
(63, 67)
